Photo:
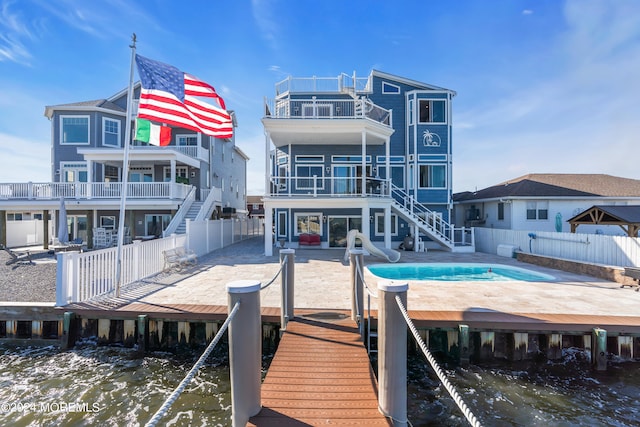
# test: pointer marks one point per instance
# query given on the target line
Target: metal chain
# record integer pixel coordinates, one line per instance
(434, 364)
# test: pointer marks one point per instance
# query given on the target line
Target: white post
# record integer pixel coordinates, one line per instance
(268, 232)
(392, 352)
(62, 281)
(288, 279)
(357, 288)
(245, 350)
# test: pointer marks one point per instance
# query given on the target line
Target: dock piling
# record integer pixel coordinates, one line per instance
(288, 278)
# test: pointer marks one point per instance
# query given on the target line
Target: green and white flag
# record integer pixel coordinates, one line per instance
(151, 133)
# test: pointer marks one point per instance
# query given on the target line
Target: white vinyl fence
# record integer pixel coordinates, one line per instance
(621, 251)
(85, 275)
(26, 232)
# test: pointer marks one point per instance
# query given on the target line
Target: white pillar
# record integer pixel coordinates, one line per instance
(363, 178)
(392, 352)
(366, 221)
(173, 179)
(268, 230)
(245, 350)
(387, 227)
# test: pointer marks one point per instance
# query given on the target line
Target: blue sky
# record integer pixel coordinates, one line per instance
(544, 86)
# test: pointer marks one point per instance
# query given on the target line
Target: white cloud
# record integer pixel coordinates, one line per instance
(267, 24)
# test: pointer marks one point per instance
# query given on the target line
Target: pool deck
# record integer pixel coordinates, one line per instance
(322, 282)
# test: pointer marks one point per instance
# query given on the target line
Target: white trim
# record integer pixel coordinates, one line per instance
(431, 100)
(296, 215)
(279, 232)
(166, 169)
(79, 116)
(393, 86)
(420, 187)
(187, 135)
(311, 158)
(379, 217)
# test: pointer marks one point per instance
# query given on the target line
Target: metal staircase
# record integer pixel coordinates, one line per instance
(427, 221)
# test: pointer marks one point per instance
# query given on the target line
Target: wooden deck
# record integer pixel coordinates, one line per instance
(320, 375)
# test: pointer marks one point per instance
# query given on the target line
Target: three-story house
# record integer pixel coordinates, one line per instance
(370, 154)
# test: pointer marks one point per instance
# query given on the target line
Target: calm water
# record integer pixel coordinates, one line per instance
(113, 387)
(456, 272)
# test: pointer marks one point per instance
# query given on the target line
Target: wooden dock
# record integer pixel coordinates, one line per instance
(320, 375)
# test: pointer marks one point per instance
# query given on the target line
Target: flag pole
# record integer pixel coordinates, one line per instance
(125, 169)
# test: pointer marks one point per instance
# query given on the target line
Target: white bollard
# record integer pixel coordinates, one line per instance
(288, 278)
(245, 350)
(392, 352)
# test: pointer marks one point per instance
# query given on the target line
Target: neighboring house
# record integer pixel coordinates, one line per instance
(372, 154)
(194, 175)
(545, 202)
(255, 207)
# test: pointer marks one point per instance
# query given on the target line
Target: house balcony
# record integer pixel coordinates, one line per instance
(328, 187)
(326, 121)
(341, 84)
(47, 191)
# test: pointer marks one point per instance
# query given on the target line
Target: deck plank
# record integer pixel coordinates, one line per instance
(320, 374)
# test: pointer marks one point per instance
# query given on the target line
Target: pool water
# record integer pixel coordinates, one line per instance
(453, 272)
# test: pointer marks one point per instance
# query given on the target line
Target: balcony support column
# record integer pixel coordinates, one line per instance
(268, 230)
(173, 179)
(364, 165)
(90, 178)
(387, 226)
(269, 171)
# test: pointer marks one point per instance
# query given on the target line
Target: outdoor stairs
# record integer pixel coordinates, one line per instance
(427, 221)
(191, 214)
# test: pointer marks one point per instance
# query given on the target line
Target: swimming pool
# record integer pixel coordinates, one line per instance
(455, 272)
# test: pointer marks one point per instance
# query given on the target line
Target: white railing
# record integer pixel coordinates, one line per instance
(342, 83)
(93, 190)
(212, 196)
(621, 251)
(181, 214)
(208, 235)
(194, 151)
(85, 275)
(338, 109)
(317, 186)
(430, 222)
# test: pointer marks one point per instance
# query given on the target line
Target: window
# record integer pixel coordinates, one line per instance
(308, 223)
(181, 172)
(282, 224)
(140, 174)
(186, 140)
(389, 88)
(432, 111)
(305, 174)
(74, 129)
(397, 175)
(537, 210)
(108, 222)
(73, 172)
(111, 173)
(309, 159)
(411, 108)
(380, 224)
(500, 211)
(432, 176)
(14, 216)
(110, 132)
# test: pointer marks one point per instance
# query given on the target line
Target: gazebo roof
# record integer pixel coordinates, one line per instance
(627, 217)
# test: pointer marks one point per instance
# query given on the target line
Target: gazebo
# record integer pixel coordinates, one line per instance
(627, 217)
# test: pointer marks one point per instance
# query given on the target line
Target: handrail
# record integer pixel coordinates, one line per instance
(187, 379)
(282, 264)
(434, 364)
(207, 205)
(181, 214)
(370, 294)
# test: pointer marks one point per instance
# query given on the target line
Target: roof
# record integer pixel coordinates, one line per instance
(84, 105)
(557, 185)
(410, 82)
(628, 214)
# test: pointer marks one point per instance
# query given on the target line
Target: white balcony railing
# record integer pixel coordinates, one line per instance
(341, 84)
(313, 108)
(94, 190)
(193, 151)
(317, 186)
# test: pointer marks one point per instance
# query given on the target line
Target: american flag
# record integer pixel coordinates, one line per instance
(168, 95)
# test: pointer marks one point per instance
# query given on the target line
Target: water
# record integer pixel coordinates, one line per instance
(111, 386)
(108, 386)
(456, 272)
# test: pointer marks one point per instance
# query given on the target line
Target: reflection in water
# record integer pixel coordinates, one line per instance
(112, 386)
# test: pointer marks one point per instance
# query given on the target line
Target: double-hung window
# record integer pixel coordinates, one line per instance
(110, 132)
(308, 223)
(537, 210)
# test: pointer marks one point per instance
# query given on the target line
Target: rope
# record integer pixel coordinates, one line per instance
(282, 264)
(434, 364)
(187, 379)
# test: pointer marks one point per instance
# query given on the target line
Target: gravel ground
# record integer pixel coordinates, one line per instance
(24, 282)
